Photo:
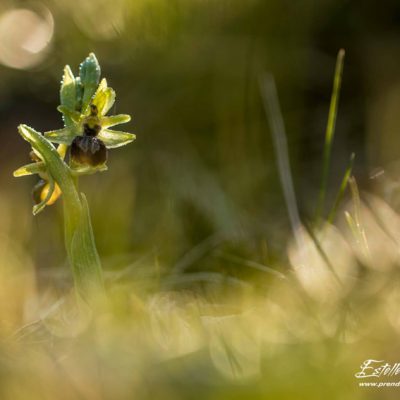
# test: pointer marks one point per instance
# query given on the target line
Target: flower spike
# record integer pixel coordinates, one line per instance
(86, 137)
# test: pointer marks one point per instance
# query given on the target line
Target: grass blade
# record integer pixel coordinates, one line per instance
(322, 253)
(342, 189)
(361, 236)
(329, 134)
(272, 109)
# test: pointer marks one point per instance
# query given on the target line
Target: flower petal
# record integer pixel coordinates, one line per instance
(106, 122)
(62, 136)
(110, 100)
(104, 98)
(97, 98)
(30, 169)
(113, 139)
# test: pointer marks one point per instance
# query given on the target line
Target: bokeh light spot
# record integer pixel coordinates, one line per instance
(24, 36)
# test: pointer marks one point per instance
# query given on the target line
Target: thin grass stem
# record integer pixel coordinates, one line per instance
(329, 134)
(342, 189)
(274, 115)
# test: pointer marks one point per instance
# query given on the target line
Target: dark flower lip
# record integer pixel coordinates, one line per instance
(88, 150)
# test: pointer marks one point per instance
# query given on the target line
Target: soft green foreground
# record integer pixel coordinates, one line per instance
(302, 334)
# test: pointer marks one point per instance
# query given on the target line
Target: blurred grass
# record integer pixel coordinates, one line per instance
(330, 132)
(190, 220)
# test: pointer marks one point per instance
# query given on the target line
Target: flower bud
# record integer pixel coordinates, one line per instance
(41, 190)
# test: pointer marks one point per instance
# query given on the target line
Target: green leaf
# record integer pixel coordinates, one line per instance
(68, 96)
(113, 139)
(89, 72)
(113, 120)
(61, 136)
(30, 169)
(84, 256)
(104, 98)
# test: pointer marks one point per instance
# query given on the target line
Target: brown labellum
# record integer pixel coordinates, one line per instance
(88, 150)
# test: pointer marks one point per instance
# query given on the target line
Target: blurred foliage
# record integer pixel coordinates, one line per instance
(188, 71)
(196, 203)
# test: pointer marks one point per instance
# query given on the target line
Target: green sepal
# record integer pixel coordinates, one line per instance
(113, 120)
(113, 139)
(89, 72)
(79, 94)
(61, 136)
(79, 169)
(67, 112)
(30, 169)
(68, 95)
